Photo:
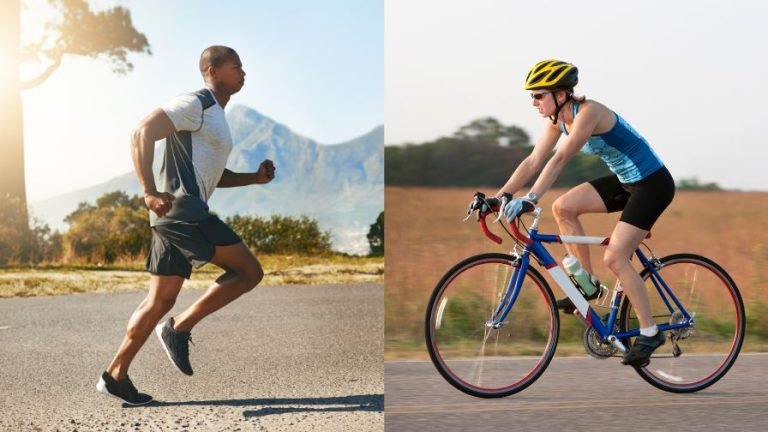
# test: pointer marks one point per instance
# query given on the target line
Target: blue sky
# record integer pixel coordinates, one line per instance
(317, 67)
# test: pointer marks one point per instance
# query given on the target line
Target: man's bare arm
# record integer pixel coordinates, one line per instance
(265, 174)
(154, 127)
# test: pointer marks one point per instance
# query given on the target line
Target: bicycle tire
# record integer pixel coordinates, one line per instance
(456, 315)
(711, 347)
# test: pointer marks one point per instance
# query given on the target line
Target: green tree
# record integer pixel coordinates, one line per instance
(694, 184)
(35, 245)
(376, 236)
(483, 153)
(45, 245)
(76, 30)
(117, 226)
(488, 129)
(281, 234)
(12, 214)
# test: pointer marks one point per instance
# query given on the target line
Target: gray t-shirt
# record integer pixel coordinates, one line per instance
(195, 156)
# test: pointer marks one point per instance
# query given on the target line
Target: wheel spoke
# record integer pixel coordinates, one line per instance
(694, 357)
(472, 353)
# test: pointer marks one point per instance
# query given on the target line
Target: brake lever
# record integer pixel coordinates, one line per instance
(504, 201)
(470, 209)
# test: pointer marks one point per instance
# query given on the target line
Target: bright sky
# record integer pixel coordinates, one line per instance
(688, 75)
(315, 66)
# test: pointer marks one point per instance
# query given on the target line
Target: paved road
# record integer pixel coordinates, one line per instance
(578, 394)
(296, 358)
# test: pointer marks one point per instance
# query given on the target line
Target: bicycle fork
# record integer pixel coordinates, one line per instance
(509, 296)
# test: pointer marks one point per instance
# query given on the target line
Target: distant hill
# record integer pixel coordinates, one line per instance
(340, 185)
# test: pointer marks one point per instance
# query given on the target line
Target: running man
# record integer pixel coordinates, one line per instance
(184, 232)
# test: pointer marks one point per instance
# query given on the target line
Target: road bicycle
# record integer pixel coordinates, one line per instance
(492, 325)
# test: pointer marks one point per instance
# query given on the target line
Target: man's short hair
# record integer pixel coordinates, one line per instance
(215, 55)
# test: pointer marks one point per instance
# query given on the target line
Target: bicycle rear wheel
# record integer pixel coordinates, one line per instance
(479, 359)
(708, 349)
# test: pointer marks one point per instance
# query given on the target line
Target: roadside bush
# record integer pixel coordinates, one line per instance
(20, 243)
(281, 234)
(376, 236)
(117, 226)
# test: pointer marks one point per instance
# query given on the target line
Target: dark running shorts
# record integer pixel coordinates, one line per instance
(642, 202)
(176, 247)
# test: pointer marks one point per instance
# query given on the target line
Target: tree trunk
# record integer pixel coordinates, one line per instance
(11, 118)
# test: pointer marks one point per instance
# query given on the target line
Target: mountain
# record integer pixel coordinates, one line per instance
(340, 185)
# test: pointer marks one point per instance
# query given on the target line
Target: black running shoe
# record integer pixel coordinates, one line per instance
(176, 345)
(566, 305)
(640, 353)
(123, 390)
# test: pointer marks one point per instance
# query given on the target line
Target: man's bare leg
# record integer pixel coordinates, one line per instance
(163, 291)
(242, 272)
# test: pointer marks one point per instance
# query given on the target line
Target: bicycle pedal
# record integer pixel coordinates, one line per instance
(643, 364)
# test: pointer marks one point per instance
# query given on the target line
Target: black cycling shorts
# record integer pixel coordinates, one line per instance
(642, 202)
(176, 247)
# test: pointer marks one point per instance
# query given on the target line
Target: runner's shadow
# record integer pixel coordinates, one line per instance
(271, 406)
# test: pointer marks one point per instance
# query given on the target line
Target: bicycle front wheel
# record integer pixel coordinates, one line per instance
(696, 357)
(481, 359)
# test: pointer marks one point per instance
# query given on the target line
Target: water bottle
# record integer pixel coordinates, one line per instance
(580, 277)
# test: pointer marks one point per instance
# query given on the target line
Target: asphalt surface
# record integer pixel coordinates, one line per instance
(578, 394)
(299, 358)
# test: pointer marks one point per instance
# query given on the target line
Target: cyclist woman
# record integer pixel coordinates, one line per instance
(640, 186)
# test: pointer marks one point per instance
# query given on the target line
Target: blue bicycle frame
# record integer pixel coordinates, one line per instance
(533, 244)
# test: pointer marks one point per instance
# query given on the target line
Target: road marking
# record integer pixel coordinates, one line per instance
(4, 327)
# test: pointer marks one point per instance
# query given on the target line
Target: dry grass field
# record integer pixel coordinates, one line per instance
(425, 236)
(130, 276)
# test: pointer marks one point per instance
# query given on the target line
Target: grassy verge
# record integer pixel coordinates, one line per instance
(58, 279)
(417, 350)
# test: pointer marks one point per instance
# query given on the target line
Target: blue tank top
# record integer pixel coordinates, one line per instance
(627, 154)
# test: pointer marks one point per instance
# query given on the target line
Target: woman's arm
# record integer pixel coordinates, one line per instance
(533, 162)
(582, 129)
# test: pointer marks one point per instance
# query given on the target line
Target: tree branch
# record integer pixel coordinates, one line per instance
(25, 85)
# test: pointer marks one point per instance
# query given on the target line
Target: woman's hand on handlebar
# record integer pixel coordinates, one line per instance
(517, 206)
(485, 205)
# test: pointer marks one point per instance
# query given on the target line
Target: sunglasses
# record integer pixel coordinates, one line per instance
(539, 96)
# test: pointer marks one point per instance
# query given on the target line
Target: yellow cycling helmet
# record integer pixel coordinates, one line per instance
(552, 74)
